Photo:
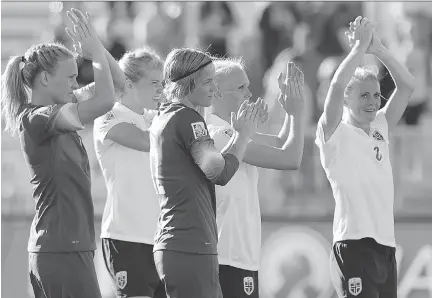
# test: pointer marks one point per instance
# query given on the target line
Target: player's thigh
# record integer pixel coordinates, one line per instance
(348, 274)
(68, 275)
(131, 266)
(188, 275)
(389, 288)
(238, 283)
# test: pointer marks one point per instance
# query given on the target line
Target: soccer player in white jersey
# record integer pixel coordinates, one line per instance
(354, 151)
(238, 210)
(122, 143)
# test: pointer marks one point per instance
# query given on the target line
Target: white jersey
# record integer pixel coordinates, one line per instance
(132, 207)
(238, 211)
(358, 168)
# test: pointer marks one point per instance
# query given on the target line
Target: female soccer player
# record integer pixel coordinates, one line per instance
(238, 210)
(38, 103)
(185, 167)
(122, 144)
(354, 151)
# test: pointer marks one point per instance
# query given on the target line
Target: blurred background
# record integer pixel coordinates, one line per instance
(297, 207)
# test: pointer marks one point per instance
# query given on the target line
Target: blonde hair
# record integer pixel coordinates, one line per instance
(19, 75)
(182, 67)
(368, 72)
(227, 65)
(136, 63)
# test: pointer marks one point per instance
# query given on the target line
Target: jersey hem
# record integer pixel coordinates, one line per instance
(358, 237)
(127, 238)
(226, 262)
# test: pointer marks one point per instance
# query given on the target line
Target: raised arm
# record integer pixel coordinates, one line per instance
(404, 81)
(333, 106)
(289, 156)
(220, 167)
(104, 97)
(279, 139)
(119, 78)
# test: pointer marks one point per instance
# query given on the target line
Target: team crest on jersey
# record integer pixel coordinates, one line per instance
(377, 136)
(45, 111)
(355, 286)
(121, 279)
(199, 129)
(108, 116)
(228, 132)
(248, 285)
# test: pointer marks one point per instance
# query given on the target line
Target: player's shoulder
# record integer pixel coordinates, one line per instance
(37, 114)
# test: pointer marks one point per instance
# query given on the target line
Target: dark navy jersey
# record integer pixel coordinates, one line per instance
(60, 175)
(187, 222)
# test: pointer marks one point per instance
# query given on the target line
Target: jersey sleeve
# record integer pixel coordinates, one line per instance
(105, 123)
(84, 93)
(48, 121)
(195, 137)
(191, 128)
(328, 149)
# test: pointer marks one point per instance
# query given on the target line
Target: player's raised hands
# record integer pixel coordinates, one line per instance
(247, 118)
(361, 32)
(86, 41)
(291, 97)
(262, 111)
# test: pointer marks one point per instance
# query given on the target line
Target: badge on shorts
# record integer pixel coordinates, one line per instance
(355, 285)
(248, 285)
(121, 279)
(199, 129)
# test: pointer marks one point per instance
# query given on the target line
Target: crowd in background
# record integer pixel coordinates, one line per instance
(309, 33)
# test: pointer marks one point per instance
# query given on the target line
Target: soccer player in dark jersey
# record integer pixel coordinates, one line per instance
(38, 102)
(185, 167)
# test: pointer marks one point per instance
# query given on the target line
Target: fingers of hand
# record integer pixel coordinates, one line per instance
(74, 19)
(71, 34)
(357, 21)
(78, 14)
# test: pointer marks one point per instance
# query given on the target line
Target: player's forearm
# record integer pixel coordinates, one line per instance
(346, 69)
(274, 140)
(117, 73)
(285, 130)
(294, 145)
(237, 146)
(402, 78)
(104, 88)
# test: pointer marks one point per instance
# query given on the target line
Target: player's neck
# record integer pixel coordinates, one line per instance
(132, 105)
(41, 99)
(364, 126)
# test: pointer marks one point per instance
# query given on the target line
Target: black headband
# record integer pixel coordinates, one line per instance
(23, 59)
(191, 72)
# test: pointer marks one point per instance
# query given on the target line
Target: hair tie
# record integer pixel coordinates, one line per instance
(191, 72)
(22, 63)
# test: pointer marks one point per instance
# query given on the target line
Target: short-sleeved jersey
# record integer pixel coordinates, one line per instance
(359, 170)
(187, 221)
(132, 207)
(60, 175)
(238, 213)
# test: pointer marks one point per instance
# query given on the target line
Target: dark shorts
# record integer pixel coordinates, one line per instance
(188, 275)
(63, 275)
(238, 283)
(363, 269)
(131, 266)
